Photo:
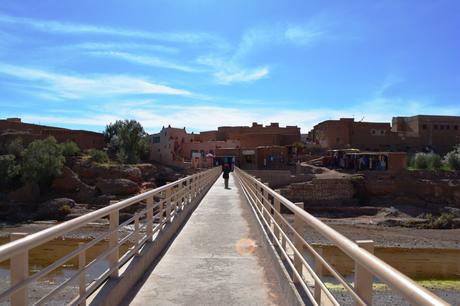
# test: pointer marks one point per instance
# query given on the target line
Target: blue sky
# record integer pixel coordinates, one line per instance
(203, 63)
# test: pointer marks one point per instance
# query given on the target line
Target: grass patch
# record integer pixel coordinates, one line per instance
(441, 284)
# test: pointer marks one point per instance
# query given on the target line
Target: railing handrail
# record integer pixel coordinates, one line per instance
(395, 279)
(33, 240)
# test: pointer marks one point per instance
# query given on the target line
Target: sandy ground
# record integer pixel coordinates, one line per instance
(389, 236)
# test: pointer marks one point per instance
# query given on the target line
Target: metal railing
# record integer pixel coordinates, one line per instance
(161, 206)
(268, 205)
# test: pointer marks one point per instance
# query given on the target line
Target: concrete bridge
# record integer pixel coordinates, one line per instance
(196, 243)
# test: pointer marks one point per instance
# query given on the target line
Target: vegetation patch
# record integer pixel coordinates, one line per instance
(432, 161)
(443, 221)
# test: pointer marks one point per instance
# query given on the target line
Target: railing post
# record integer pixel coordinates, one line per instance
(136, 234)
(173, 203)
(113, 242)
(278, 221)
(299, 228)
(266, 205)
(149, 218)
(167, 202)
(319, 271)
(82, 276)
(260, 196)
(190, 190)
(363, 278)
(19, 271)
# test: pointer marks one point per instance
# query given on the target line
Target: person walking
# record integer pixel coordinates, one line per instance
(226, 175)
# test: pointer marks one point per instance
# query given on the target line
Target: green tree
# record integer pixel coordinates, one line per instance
(70, 148)
(434, 161)
(42, 161)
(452, 159)
(9, 170)
(128, 140)
(15, 147)
(421, 161)
(98, 156)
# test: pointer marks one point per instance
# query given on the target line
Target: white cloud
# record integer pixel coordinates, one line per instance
(206, 117)
(145, 60)
(73, 87)
(227, 66)
(227, 71)
(76, 28)
(108, 46)
(387, 83)
(241, 75)
(279, 34)
(302, 35)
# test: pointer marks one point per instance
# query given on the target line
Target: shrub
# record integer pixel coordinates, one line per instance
(434, 161)
(42, 161)
(70, 148)
(443, 221)
(9, 170)
(420, 161)
(15, 147)
(98, 156)
(452, 159)
(64, 210)
(128, 140)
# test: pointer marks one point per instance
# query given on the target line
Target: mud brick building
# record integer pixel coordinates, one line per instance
(255, 135)
(12, 128)
(256, 146)
(409, 134)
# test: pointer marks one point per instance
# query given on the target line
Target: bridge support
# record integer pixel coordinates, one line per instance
(363, 278)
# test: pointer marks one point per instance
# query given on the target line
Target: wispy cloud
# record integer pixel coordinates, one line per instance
(145, 60)
(279, 34)
(227, 66)
(302, 35)
(119, 46)
(74, 87)
(389, 81)
(77, 28)
(241, 75)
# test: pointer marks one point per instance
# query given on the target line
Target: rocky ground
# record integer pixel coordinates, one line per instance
(83, 186)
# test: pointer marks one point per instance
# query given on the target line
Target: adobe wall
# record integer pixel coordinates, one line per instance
(408, 134)
(278, 178)
(333, 189)
(30, 132)
(205, 136)
(419, 188)
(261, 135)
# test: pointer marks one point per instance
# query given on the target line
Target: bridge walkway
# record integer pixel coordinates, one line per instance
(215, 259)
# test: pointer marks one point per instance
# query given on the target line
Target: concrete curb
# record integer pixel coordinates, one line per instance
(120, 290)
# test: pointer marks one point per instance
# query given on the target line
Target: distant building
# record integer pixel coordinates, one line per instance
(166, 147)
(255, 135)
(176, 147)
(12, 128)
(417, 133)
